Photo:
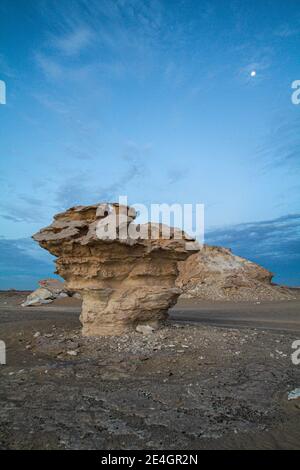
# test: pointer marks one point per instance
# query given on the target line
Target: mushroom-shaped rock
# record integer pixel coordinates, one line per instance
(125, 272)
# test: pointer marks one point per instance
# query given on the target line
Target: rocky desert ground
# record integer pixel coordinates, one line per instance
(184, 386)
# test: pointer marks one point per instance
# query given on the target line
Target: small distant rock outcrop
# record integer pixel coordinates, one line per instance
(215, 273)
(123, 282)
(49, 290)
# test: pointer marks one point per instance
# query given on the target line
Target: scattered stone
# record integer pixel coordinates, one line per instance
(72, 353)
(294, 394)
(62, 295)
(37, 334)
(145, 329)
(118, 389)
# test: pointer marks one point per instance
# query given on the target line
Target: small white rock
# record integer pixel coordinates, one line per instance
(294, 394)
(72, 353)
(145, 329)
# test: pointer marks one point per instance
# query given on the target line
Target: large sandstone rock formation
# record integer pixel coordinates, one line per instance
(122, 282)
(215, 273)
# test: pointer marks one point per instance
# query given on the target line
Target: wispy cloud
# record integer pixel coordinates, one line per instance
(55, 69)
(24, 208)
(78, 154)
(50, 67)
(33, 201)
(20, 212)
(287, 31)
(78, 189)
(5, 69)
(56, 105)
(81, 188)
(126, 31)
(133, 38)
(281, 147)
(75, 42)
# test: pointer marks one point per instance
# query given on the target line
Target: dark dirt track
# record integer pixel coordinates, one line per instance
(283, 315)
(280, 316)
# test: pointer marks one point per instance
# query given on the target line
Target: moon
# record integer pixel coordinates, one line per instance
(253, 73)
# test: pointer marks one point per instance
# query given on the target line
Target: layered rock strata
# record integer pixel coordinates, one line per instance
(125, 278)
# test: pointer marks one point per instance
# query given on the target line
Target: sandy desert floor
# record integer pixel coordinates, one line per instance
(217, 380)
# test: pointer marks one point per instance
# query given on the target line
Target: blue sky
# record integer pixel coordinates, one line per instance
(152, 99)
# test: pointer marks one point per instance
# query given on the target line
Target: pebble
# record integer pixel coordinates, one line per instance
(294, 394)
(145, 329)
(72, 353)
